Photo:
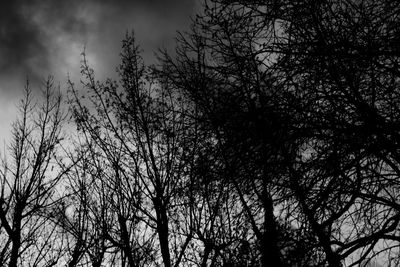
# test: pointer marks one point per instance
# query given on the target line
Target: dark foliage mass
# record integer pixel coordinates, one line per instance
(269, 138)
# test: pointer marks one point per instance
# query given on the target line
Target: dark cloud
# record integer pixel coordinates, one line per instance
(41, 37)
(24, 41)
(155, 23)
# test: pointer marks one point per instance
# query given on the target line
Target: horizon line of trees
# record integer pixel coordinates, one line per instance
(270, 137)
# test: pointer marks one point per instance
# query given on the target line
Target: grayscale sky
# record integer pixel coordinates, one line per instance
(46, 37)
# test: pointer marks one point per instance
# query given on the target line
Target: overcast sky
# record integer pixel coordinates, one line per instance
(46, 37)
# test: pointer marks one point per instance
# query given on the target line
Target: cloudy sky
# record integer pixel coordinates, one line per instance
(46, 37)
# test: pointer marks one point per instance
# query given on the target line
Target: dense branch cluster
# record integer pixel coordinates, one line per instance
(269, 138)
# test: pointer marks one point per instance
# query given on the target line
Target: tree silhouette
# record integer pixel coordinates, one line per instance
(303, 97)
(268, 138)
(142, 132)
(29, 182)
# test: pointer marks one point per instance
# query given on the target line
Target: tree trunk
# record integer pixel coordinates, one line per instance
(16, 238)
(271, 255)
(162, 230)
(126, 241)
(14, 251)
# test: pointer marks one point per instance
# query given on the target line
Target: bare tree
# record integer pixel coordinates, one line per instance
(302, 98)
(29, 182)
(141, 131)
